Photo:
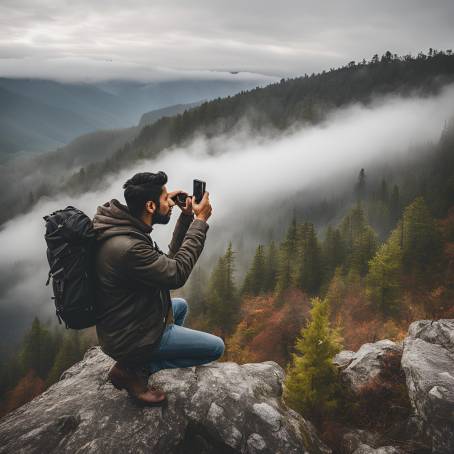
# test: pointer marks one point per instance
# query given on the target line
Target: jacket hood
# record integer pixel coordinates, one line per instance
(113, 218)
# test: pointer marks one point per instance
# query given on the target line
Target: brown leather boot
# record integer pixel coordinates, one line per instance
(136, 383)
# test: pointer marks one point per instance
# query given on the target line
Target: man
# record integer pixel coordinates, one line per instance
(139, 325)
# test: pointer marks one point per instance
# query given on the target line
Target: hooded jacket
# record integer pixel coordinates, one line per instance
(133, 279)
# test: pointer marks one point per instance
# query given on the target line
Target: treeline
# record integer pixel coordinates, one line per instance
(44, 354)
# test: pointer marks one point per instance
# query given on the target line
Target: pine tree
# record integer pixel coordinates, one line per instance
(271, 267)
(37, 350)
(70, 352)
(308, 264)
(420, 240)
(311, 383)
(286, 259)
(384, 196)
(222, 298)
(284, 270)
(360, 187)
(336, 290)
(384, 277)
(254, 282)
(332, 251)
(359, 239)
(394, 205)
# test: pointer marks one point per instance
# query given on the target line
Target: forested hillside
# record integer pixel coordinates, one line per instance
(304, 99)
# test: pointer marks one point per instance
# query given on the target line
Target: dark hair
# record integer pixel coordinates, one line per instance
(141, 188)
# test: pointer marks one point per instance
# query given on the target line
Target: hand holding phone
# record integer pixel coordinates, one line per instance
(203, 209)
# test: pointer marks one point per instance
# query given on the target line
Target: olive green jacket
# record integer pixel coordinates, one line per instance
(133, 279)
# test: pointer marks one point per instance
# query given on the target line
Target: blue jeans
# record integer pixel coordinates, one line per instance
(184, 347)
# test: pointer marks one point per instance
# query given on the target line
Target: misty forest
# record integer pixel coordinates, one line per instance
(308, 253)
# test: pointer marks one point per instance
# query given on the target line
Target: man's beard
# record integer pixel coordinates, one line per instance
(159, 218)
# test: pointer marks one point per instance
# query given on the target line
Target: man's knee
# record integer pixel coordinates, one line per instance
(218, 347)
(180, 305)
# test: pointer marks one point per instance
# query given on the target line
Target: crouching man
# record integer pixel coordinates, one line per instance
(138, 324)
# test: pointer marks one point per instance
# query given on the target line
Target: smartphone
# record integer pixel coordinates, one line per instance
(199, 190)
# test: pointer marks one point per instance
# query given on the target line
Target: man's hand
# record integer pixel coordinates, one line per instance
(187, 208)
(203, 209)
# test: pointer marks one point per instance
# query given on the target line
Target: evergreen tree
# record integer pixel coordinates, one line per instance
(70, 352)
(360, 187)
(384, 277)
(384, 196)
(11, 370)
(308, 264)
(222, 298)
(271, 267)
(254, 283)
(332, 251)
(292, 238)
(420, 240)
(37, 351)
(286, 256)
(394, 205)
(359, 239)
(311, 384)
(336, 290)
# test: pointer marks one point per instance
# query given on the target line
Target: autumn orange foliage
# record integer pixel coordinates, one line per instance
(28, 387)
(268, 329)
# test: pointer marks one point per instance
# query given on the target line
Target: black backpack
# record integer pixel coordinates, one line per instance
(71, 242)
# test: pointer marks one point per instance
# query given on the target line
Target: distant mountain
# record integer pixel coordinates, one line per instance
(39, 115)
(150, 117)
(82, 151)
(29, 124)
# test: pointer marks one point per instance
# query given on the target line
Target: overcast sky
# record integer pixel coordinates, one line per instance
(149, 40)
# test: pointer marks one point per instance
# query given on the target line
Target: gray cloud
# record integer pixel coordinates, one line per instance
(149, 40)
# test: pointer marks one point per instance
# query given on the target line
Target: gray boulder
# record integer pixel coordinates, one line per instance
(344, 358)
(366, 363)
(428, 363)
(219, 407)
(366, 449)
(353, 439)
